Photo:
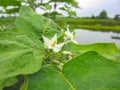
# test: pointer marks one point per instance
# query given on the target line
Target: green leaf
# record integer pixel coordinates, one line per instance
(5, 3)
(19, 54)
(89, 71)
(108, 50)
(30, 21)
(7, 82)
(21, 51)
(67, 1)
(72, 13)
(48, 6)
(20, 0)
(48, 78)
(8, 21)
(12, 11)
(74, 3)
(30, 1)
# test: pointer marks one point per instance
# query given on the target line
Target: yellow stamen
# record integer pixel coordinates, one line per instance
(53, 44)
(69, 38)
(65, 34)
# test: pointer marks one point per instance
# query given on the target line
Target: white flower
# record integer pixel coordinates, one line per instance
(52, 44)
(69, 36)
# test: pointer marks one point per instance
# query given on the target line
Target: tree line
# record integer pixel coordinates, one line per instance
(103, 15)
(51, 8)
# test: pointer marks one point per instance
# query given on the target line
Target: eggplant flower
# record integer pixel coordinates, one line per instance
(52, 44)
(69, 36)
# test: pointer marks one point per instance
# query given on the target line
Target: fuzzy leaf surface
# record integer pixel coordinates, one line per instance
(19, 54)
(31, 22)
(89, 71)
(108, 50)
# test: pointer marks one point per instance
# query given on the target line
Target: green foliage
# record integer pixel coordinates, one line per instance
(12, 11)
(117, 17)
(48, 78)
(33, 23)
(108, 50)
(72, 2)
(87, 71)
(103, 15)
(66, 1)
(31, 2)
(22, 53)
(93, 17)
(67, 9)
(6, 3)
(91, 24)
(67, 6)
(72, 13)
(39, 4)
(21, 50)
(92, 71)
(7, 82)
(19, 54)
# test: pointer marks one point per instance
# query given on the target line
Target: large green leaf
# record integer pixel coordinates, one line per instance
(5, 3)
(7, 21)
(108, 50)
(89, 71)
(47, 79)
(19, 54)
(32, 22)
(21, 51)
(7, 82)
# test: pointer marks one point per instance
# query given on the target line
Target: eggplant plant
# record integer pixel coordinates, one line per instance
(39, 55)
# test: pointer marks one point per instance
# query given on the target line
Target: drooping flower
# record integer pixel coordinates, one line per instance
(69, 36)
(52, 44)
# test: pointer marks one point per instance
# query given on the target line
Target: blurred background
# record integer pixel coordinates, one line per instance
(93, 21)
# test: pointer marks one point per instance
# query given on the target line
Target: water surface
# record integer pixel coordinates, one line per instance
(84, 36)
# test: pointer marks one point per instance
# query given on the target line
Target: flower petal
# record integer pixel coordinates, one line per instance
(74, 41)
(58, 47)
(52, 44)
(69, 36)
(46, 41)
(54, 38)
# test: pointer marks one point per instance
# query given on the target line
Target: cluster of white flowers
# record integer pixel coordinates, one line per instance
(52, 43)
(69, 36)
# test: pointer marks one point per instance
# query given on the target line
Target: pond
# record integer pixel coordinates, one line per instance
(84, 36)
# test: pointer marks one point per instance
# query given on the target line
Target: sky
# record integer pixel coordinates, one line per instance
(89, 7)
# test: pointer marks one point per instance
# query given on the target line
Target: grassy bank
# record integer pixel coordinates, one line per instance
(92, 24)
(84, 23)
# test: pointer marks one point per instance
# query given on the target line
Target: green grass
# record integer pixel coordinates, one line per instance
(99, 27)
(92, 24)
(76, 23)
